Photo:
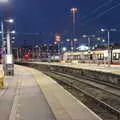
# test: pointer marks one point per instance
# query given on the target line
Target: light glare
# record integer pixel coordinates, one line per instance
(83, 47)
(3, 1)
(10, 20)
(64, 49)
(13, 32)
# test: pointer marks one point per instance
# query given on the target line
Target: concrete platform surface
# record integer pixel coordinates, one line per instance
(62, 103)
(23, 98)
(31, 95)
(114, 69)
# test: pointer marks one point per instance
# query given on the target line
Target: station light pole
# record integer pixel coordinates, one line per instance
(4, 3)
(8, 37)
(74, 11)
(108, 44)
(9, 56)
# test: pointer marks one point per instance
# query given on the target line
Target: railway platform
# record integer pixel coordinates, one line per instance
(30, 94)
(114, 69)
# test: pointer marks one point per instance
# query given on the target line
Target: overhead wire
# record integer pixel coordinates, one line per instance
(102, 13)
(93, 11)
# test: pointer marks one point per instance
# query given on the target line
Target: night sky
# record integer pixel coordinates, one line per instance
(50, 16)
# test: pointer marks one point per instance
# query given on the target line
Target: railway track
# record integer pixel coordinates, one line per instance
(104, 103)
(112, 89)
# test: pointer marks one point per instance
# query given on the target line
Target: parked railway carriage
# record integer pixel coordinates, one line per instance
(93, 56)
(116, 56)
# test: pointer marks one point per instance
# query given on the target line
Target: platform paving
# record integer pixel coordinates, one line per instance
(62, 103)
(23, 99)
(31, 95)
(114, 69)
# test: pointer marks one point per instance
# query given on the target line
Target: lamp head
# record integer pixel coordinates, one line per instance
(102, 30)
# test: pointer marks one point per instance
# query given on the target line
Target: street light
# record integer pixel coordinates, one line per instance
(108, 35)
(64, 49)
(13, 31)
(10, 20)
(103, 40)
(75, 39)
(98, 38)
(13, 38)
(68, 40)
(74, 11)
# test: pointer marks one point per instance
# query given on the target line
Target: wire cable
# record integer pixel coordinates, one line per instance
(101, 14)
(96, 9)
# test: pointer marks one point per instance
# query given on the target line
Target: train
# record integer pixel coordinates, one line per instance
(95, 56)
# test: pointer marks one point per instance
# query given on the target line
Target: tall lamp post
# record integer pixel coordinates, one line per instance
(108, 45)
(10, 21)
(74, 11)
(5, 4)
(9, 65)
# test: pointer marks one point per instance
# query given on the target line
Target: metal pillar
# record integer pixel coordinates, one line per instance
(89, 48)
(3, 46)
(8, 44)
(109, 55)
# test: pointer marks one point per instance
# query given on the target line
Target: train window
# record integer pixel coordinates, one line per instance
(73, 57)
(80, 57)
(114, 56)
(77, 57)
(68, 57)
(91, 57)
(117, 56)
(102, 56)
(98, 56)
